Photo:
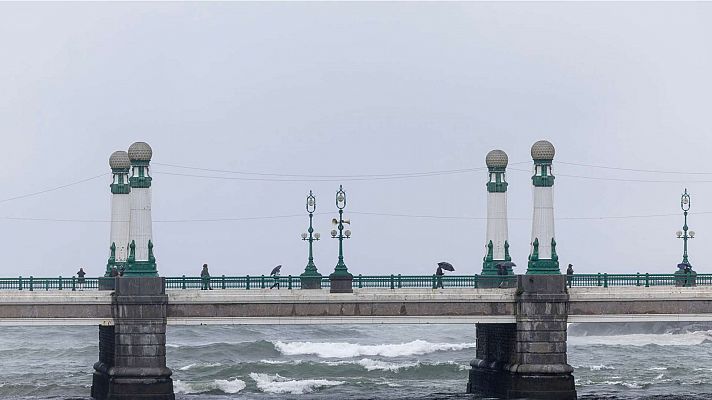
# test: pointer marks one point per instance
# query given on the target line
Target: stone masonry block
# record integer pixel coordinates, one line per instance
(141, 339)
(541, 347)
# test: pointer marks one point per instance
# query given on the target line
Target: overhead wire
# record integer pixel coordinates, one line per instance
(398, 215)
(656, 171)
(619, 179)
(406, 174)
(53, 188)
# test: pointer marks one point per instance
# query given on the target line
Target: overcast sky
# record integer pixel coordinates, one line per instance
(355, 89)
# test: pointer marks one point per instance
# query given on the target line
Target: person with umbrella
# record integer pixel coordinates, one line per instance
(275, 275)
(439, 273)
(503, 270)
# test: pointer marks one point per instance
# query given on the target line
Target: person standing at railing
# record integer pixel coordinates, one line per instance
(205, 278)
(80, 278)
(569, 274)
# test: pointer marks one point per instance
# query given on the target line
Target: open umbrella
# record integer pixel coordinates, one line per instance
(276, 270)
(507, 264)
(446, 266)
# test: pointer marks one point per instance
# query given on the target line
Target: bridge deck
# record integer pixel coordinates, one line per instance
(364, 306)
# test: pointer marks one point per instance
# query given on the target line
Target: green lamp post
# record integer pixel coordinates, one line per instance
(686, 274)
(310, 278)
(341, 280)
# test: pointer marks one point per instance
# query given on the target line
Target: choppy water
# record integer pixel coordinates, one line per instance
(348, 362)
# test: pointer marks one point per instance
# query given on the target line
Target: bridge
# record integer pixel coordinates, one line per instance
(375, 300)
(520, 320)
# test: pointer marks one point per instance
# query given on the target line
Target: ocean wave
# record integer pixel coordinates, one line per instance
(223, 385)
(667, 339)
(629, 385)
(277, 384)
(376, 365)
(348, 350)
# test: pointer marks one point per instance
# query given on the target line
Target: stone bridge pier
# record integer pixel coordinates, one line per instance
(132, 352)
(527, 359)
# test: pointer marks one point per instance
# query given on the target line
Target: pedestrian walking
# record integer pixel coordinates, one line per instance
(275, 275)
(439, 278)
(205, 278)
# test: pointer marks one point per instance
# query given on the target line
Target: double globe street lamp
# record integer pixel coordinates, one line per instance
(310, 278)
(686, 276)
(684, 234)
(341, 280)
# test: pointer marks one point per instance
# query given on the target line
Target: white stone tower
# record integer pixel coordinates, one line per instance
(543, 258)
(120, 210)
(141, 261)
(496, 242)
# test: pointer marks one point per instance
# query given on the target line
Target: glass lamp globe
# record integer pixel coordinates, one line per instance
(347, 232)
(333, 233)
(692, 234)
(317, 235)
(679, 233)
(304, 235)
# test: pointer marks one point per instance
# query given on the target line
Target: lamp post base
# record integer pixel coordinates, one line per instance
(341, 283)
(310, 282)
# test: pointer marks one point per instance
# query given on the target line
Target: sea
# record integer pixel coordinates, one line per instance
(350, 362)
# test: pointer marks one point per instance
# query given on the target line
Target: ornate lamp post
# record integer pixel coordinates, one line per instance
(341, 279)
(311, 278)
(684, 235)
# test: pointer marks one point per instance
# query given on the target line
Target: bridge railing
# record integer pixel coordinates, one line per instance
(248, 282)
(59, 283)
(638, 279)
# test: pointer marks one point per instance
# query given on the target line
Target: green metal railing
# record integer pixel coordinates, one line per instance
(638, 279)
(32, 284)
(364, 281)
(359, 281)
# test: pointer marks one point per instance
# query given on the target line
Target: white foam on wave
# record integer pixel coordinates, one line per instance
(277, 384)
(281, 362)
(600, 367)
(657, 369)
(191, 366)
(665, 339)
(348, 350)
(377, 365)
(224, 385)
(232, 386)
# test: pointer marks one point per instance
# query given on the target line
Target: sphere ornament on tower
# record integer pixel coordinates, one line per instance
(140, 151)
(119, 161)
(496, 159)
(543, 150)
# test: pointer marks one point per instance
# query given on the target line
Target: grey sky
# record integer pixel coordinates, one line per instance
(354, 89)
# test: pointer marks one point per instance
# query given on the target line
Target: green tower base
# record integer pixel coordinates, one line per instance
(543, 267)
